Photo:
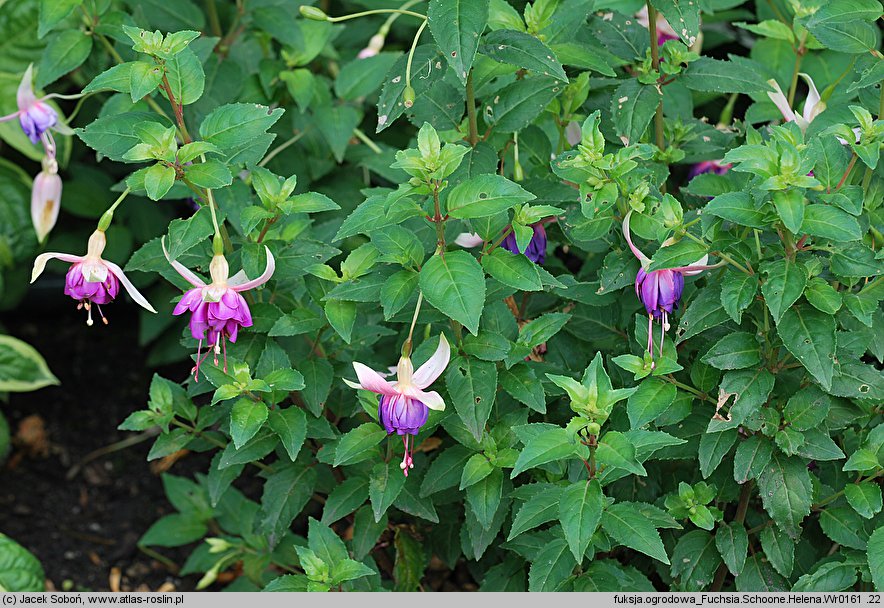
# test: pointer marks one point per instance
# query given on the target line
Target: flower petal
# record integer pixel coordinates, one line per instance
(780, 101)
(427, 373)
(40, 262)
(468, 239)
(130, 288)
(25, 97)
(812, 103)
(181, 269)
(235, 281)
(431, 399)
(635, 250)
(372, 381)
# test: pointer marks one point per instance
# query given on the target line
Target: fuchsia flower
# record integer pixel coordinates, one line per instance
(664, 30)
(709, 166)
(217, 307)
(659, 290)
(92, 280)
(35, 115)
(46, 198)
(403, 406)
(375, 45)
(535, 251)
(813, 106)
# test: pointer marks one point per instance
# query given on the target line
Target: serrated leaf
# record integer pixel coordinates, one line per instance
(523, 50)
(784, 285)
(580, 511)
(456, 25)
(695, 560)
(455, 284)
(652, 398)
(632, 106)
(810, 336)
(733, 544)
(786, 491)
(359, 444)
(632, 529)
(384, 485)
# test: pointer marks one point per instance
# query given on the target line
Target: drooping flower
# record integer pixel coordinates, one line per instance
(46, 199)
(536, 249)
(664, 30)
(217, 307)
(813, 105)
(35, 115)
(659, 290)
(91, 279)
(403, 405)
(375, 45)
(709, 166)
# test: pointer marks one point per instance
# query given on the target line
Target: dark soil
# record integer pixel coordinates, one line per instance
(83, 528)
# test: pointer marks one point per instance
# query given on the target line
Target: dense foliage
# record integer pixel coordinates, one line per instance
(677, 384)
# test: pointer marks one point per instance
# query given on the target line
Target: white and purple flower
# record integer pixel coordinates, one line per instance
(404, 405)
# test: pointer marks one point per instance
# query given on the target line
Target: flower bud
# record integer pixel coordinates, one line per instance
(105, 221)
(408, 96)
(314, 13)
(45, 202)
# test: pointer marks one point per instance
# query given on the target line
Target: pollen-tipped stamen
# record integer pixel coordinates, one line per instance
(88, 313)
(103, 318)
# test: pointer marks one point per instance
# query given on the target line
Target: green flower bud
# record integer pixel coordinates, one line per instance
(106, 218)
(593, 428)
(408, 96)
(314, 13)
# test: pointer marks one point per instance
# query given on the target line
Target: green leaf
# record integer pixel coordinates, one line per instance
(547, 446)
(472, 385)
(784, 285)
(246, 419)
(615, 450)
(652, 398)
(344, 499)
(112, 136)
(485, 195)
(875, 556)
(828, 577)
(487, 346)
(735, 351)
(410, 562)
(158, 179)
(366, 531)
(359, 444)
(629, 527)
(239, 130)
(632, 106)
(384, 485)
(751, 457)
(291, 426)
(865, 498)
(362, 77)
(807, 408)
(22, 368)
(714, 447)
(456, 25)
(523, 50)
(210, 174)
(779, 549)
(790, 207)
(541, 508)
(810, 336)
(842, 26)
(733, 544)
(513, 270)
(736, 207)
(255, 449)
(580, 511)
(308, 202)
(717, 76)
(53, 12)
(174, 530)
(822, 296)
(477, 468)
(66, 51)
(20, 571)
(683, 253)
(186, 77)
(703, 312)
(855, 260)
(446, 471)
(844, 526)
(522, 384)
(116, 78)
(144, 78)
(683, 16)
(786, 492)
(341, 316)
(336, 125)
(830, 223)
(184, 235)
(552, 565)
(516, 105)
(286, 492)
(455, 284)
(397, 291)
(695, 560)
(758, 575)
(737, 293)
(483, 497)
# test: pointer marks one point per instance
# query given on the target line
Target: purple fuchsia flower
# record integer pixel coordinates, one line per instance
(403, 405)
(659, 290)
(536, 250)
(709, 166)
(217, 307)
(35, 115)
(92, 280)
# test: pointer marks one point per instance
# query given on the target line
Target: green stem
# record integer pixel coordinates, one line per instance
(289, 142)
(471, 111)
(437, 218)
(178, 108)
(799, 55)
(417, 36)
(214, 22)
(366, 140)
(379, 11)
(697, 393)
(406, 348)
(655, 63)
